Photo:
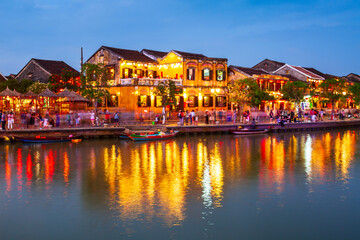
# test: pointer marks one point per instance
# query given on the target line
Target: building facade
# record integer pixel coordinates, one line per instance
(135, 75)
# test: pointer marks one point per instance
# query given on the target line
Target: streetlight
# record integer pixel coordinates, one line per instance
(215, 91)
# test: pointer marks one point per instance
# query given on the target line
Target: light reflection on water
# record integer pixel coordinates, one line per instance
(164, 183)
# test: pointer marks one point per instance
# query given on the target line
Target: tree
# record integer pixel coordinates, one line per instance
(247, 92)
(67, 79)
(333, 90)
(38, 87)
(14, 84)
(168, 90)
(94, 82)
(355, 91)
(294, 91)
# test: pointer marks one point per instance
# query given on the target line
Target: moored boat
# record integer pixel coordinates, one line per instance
(152, 136)
(46, 139)
(251, 131)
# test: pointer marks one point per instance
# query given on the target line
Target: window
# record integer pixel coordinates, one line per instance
(144, 101)
(111, 73)
(206, 74)
(127, 73)
(113, 101)
(220, 75)
(220, 101)
(191, 73)
(207, 101)
(192, 101)
(158, 101)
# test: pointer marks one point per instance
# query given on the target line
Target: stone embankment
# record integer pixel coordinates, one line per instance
(110, 131)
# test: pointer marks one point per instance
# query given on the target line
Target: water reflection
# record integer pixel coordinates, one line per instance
(157, 180)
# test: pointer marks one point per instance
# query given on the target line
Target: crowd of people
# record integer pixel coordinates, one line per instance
(31, 120)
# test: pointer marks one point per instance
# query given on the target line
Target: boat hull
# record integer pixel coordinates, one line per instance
(250, 131)
(152, 137)
(39, 139)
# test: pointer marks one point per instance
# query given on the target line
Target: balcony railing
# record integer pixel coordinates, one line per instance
(144, 81)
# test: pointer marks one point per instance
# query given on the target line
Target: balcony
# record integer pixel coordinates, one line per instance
(144, 82)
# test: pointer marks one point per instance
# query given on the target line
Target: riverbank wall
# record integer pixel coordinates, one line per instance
(111, 131)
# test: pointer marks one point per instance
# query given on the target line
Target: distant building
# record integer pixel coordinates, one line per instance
(269, 65)
(2, 78)
(352, 78)
(40, 70)
(270, 82)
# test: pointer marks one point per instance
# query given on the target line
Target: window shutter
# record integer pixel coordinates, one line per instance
(187, 74)
(224, 75)
(123, 72)
(202, 74)
(196, 101)
(146, 73)
(139, 103)
(130, 73)
(148, 101)
(154, 74)
(181, 103)
(211, 101)
(211, 75)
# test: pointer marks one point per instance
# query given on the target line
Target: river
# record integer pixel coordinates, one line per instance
(278, 186)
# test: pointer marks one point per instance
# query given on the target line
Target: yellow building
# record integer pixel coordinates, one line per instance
(136, 75)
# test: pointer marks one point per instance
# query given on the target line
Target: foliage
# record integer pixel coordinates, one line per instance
(247, 91)
(168, 90)
(333, 90)
(294, 91)
(38, 87)
(67, 79)
(355, 91)
(94, 82)
(20, 86)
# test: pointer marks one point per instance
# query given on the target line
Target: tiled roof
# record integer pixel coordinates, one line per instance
(352, 78)
(54, 67)
(249, 71)
(157, 54)
(279, 64)
(197, 56)
(307, 72)
(131, 55)
(2, 78)
(190, 55)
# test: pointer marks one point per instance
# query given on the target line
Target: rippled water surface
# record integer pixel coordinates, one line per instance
(279, 186)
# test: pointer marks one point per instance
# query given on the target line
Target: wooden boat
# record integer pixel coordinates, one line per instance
(46, 139)
(152, 136)
(251, 131)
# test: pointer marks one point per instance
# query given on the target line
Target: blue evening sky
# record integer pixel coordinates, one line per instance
(324, 34)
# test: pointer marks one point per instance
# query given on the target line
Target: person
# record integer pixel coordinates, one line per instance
(77, 120)
(41, 121)
(220, 114)
(28, 116)
(234, 117)
(253, 123)
(206, 117)
(68, 119)
(321, 115)
(211, 117)
(32, 120)
(187, 116)
(157, 119)
(57, 116)
(3, 121)
(180, 116)
(92, 118)
(116, 118)
(271, 115)
(23, 119)
(11, 120)
(313, 118)
(196, 118)
(107, 116)
(192, 116)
